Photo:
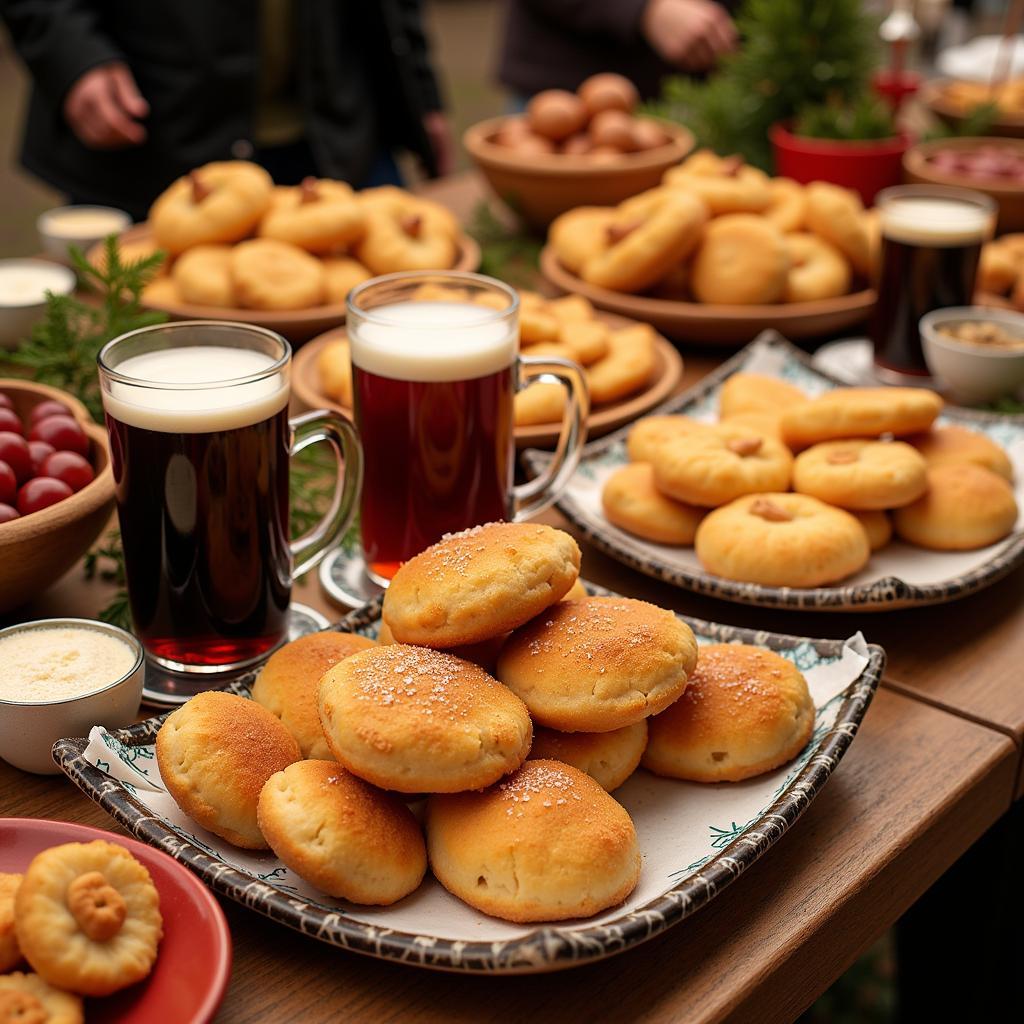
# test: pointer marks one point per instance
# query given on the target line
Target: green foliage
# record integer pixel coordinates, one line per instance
(106, 562)
(977, 122)
(505, 253)
(794, 53)
(867, 117)
(63, 346)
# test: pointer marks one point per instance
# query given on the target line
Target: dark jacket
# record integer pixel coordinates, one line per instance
(556, 44)
(362, 74)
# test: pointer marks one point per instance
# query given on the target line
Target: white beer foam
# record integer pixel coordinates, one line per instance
(215, 403)
(930, 220)
(433, 341)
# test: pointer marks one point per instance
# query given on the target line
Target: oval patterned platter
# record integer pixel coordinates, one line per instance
(898, 576)
(695, 839)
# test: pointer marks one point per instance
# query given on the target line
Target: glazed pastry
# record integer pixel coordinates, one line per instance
(632, 502)
(742, 260)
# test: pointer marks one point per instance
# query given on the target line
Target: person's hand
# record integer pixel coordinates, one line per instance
(439, 132)
(690, 34)
(104, 106)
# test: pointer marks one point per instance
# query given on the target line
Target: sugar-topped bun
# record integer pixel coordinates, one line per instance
(965, 507)
(421, 721)
(287, 685)
(480, 583)
(341, 834)
(546, 844)
(27, 999)
(609, 758)
(484, 654)
(598, 664)
(746, 711)
(942, 446)
(215, 753)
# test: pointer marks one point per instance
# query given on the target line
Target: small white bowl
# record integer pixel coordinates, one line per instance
(83, 226)
(973, 373)
(28, 730)
(23, 287)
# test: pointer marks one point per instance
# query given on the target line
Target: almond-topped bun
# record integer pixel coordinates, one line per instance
(598, 664)
(546, 844)
(215, 754)
(746, 711)
(417, 720)
(609, 758)
(480, 583)
(341, 834)
(286, 686)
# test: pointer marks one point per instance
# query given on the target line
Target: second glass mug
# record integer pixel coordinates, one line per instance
(200, 440)
(435, 370)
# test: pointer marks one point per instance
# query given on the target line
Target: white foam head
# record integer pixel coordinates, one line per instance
(218, 400)
(934, 220)
(433, 341)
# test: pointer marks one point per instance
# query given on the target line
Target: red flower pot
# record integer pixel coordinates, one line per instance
(866, 167)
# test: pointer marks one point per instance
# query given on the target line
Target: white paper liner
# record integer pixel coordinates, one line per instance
(680, 824)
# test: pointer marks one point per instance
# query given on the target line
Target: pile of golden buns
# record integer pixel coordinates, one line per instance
(236, 240)
(510, 700)
(617, 362)
(596, 122)
(721, 232)
(86, 917)
(1001, 268)
(965, 96)
(791, 491)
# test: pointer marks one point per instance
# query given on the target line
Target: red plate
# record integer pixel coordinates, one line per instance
(194, 963)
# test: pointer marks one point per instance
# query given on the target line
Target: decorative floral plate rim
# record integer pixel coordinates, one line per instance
(883, 594)
(548, 947)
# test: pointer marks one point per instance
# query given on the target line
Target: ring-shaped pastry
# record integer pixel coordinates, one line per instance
(788, 206)
(404, 232)
(742, 260)
(817, 269)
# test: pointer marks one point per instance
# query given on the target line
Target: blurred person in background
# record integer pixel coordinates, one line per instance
(556, 44)
(130, 94)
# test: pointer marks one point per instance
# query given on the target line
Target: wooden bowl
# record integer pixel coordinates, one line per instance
(36, 550)
(933, 95)
(667, 373)
(918, 169)
(540, 187)
(719, 324)
(295, 324)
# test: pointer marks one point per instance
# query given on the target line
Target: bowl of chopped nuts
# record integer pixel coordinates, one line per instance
(975, 352)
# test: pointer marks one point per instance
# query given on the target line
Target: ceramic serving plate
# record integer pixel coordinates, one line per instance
(668, 371)
(695, 839)
(900, 575)
(193, 966)
(294, 324)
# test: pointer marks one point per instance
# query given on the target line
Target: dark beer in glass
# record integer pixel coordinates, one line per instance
(931, 239)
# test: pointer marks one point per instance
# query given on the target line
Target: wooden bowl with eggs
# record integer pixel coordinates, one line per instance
(586, 148)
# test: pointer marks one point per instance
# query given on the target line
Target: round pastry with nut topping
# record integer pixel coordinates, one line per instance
(781, 540)
(746, 711)
(859, 474)
(416, 720)
(546, 844)
(951, 445)
(598, 664)
(710, 467)
(480, 583)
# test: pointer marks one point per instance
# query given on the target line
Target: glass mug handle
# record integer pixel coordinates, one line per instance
(536, 495)
(340, 434)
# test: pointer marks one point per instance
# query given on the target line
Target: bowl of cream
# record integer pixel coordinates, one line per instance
(60, 677)
(23, 287)
(83, 226)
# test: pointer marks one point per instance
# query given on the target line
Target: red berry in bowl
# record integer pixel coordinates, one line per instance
(5, 401)
(63, 432)
(8, 484)
(51, 407)
(9, 421)
(7, 513)
(70, 468)
(39, 450)
(41, 492)
(14, 451)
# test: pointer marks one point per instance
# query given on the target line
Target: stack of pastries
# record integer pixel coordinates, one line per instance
(1001, 268)
(719, 231)
(236, 240)
(617, 362)
(510, 700)
(790, 491)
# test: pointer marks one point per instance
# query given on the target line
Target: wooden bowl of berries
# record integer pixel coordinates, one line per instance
(56, 487)
(587, 148)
